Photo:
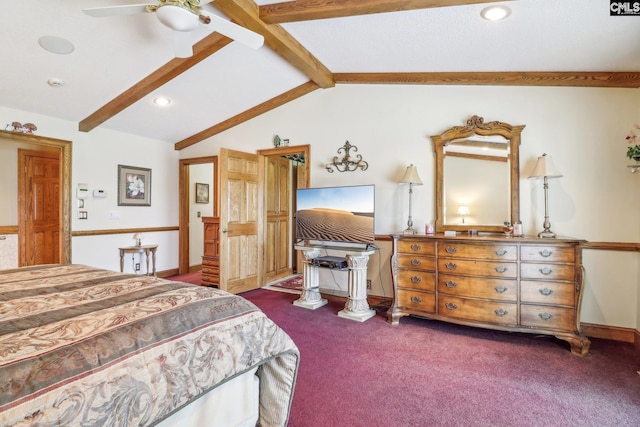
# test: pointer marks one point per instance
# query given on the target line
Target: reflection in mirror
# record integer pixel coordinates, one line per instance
(477, 176)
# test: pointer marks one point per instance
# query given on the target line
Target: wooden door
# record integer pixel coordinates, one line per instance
(39, 207)
(241, 220)
(278, 224)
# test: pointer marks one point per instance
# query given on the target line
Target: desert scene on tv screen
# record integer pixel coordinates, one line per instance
(334, 225)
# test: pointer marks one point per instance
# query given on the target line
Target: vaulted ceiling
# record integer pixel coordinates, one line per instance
(119, 64)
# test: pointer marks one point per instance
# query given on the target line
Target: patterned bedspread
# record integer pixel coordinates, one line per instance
(83, 346)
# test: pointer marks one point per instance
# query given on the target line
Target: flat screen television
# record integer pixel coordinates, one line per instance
(336, 214)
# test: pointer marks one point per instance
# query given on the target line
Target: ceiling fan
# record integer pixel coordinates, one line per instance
(183, 16)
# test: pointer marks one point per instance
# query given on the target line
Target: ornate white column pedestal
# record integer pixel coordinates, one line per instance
(357, 307)
(310, 297)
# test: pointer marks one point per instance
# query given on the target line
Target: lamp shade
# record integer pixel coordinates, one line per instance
(410, 176)
(545, 167)
(463, 210)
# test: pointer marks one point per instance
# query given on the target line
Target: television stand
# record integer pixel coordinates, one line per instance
(356, 307)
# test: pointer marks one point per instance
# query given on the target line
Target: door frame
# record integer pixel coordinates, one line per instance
(304, 150)
(183, 197)
(65, 149)
(183, 202)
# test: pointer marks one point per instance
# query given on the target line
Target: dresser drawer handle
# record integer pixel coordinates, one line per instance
(416, 261)
(416, 300)
(416, 247)
(416, 279)
(450, 284)
(501, 269)
(450, 250)
(501, 252)
(451, 306)
(545, 316)
(545, 253)
(451, 265)
(501, 312)
(501, 289)
(546, 291)
(546, 271)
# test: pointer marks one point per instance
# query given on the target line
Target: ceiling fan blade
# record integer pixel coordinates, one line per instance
(235, 31)
(182, 44)
(131, 9)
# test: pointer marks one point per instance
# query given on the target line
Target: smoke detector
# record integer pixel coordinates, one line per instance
(55, 82)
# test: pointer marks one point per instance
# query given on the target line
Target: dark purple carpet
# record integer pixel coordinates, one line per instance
(430, 373)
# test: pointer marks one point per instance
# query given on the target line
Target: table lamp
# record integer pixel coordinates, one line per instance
(138, 238)
(410, 177)
(545, 169)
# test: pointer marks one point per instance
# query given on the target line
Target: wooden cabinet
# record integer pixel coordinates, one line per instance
(507, 283)
(211, 258)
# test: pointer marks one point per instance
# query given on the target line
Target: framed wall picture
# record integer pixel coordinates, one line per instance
(134, 186)
(202, 193)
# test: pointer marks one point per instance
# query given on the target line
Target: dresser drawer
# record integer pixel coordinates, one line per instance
(478, 287)
(547, 253)
(540, 316)
(547, 293)
(210, 261)
(417, 262)
(478, 268)
(421, 280)
(548, 271)
(481, 311)
(414, 300)
(416, 247)
(466, 250)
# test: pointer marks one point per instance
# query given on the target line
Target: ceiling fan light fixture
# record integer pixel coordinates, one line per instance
(162, 101)
(495, 13)
(177, 18)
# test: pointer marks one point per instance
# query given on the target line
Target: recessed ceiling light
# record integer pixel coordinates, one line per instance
(495, 13)
(56, 44)
(162, 101)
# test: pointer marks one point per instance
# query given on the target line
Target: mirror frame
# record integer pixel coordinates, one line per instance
(476, 126)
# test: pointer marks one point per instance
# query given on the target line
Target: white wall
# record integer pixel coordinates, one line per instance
(583, 129)
(95, 157)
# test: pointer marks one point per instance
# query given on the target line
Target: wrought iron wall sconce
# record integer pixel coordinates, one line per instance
(347, 164)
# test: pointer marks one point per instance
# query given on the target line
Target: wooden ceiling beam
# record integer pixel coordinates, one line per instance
(245, 13)
(306, 10)
(269, 105)
(201, 50)
(629, 79)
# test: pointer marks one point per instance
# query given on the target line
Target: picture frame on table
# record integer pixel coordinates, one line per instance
(134, 186)
(202, 192)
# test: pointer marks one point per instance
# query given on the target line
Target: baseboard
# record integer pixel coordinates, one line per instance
(193, 268)
(611, 333)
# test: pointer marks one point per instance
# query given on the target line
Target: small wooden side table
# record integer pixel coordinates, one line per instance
(146, 249)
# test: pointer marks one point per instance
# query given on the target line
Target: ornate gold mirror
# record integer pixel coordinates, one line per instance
(477, 176)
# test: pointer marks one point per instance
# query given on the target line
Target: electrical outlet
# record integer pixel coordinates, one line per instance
(137, 266)
(368, 283)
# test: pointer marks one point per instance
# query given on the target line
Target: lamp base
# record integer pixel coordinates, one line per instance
(547, 234)
(409, 230)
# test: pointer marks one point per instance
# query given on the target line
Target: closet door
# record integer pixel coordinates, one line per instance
(278, 222)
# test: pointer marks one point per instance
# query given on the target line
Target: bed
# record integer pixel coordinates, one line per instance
(86, 346)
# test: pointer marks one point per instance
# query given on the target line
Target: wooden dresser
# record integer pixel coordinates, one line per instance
(211, 258)
(514, 284)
